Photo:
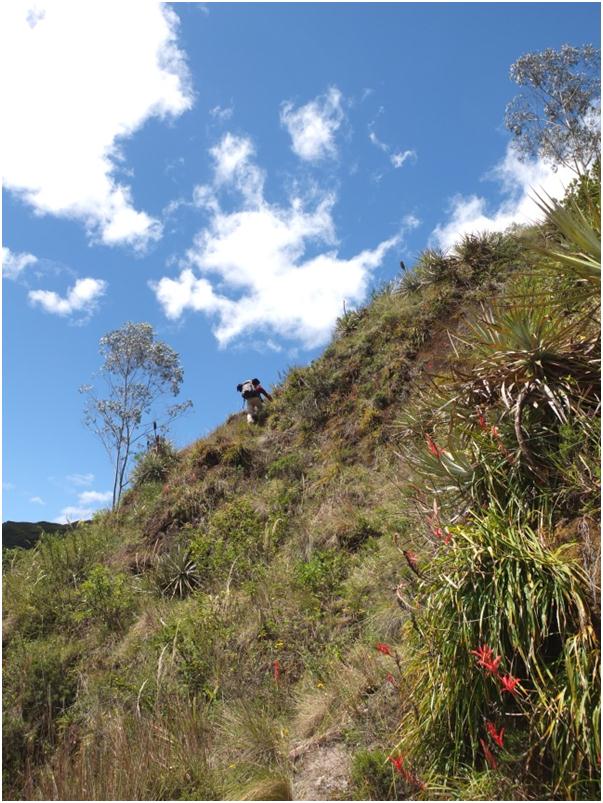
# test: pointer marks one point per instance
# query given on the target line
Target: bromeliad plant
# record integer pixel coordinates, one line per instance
(503, 636)
(499, 606)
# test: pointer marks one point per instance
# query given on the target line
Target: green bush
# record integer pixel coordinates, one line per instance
(155, 464)
(107, 598)
(323, 573)
(290, 466)
(236, 537)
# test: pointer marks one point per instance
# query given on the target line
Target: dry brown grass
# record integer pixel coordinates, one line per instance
(129, 757)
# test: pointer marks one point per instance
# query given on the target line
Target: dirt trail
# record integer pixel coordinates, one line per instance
(322, 773)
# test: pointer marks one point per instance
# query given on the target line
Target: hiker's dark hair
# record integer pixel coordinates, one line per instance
(255, 381)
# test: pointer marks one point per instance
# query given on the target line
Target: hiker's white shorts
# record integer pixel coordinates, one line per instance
(253, 408)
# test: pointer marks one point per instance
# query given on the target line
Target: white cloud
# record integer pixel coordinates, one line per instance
(88, 502)
(377, 142)
(266, 269)
(94, 497)
(234, 166)
(82, 297)
(313, 127)
(398, 158)
(73, 513)
(411, 222)
(37, 500)
(221, 113)
(519, 181)
(83, 78)
(13, 264)
(81, 480)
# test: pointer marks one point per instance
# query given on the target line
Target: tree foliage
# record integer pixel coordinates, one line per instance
(557, 117)
(137, 372)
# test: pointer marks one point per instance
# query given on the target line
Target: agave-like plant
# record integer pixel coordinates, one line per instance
(528, 358)
(578, 251)
(176, 573)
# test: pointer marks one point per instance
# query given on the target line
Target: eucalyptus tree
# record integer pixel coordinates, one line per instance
(557, 117)
(138, 371)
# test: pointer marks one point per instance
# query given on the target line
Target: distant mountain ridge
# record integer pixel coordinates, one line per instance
(25, 534)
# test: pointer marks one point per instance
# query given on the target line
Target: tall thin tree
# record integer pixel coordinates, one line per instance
(137, 372)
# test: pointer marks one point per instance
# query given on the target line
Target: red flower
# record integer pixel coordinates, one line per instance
(509, 683)
(391, 679)
(276, 665)
(495, 433)
(408, 776)
(497, 738)
(398, 763)
(433, 447)
(488, 754)
(482, 421)
(384, 648)
(442, 533)
(486, 659)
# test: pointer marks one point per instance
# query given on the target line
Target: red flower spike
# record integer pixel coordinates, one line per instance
(398, 763)
(497, 737)
(384, 648)
(433, 447)
(509, 683)
(489, 755)
(391, 679)
(276, 665)
(485, 659)
(482, 421)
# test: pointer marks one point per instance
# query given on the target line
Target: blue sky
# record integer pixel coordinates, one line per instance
(231, 174)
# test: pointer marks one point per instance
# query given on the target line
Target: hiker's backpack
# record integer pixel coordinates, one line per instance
(247, 390)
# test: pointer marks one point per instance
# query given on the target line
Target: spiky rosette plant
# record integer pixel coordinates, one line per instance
(176, 573)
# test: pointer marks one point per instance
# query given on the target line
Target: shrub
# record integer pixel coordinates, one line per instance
(155, 464)
(107, 598)
(323, 573)
(235, 538)
(289, 466)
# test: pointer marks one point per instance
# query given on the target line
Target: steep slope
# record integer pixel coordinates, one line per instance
(261, 614)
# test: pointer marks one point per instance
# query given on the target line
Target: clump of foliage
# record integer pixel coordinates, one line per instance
(155, 464)
(106, 597)
(510, 598)
(374, 778)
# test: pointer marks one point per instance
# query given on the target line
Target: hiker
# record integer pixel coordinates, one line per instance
(251, 390)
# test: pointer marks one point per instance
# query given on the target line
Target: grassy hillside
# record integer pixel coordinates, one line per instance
(388, 589)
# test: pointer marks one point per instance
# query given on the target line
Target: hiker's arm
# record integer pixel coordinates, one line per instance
(260, 389)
